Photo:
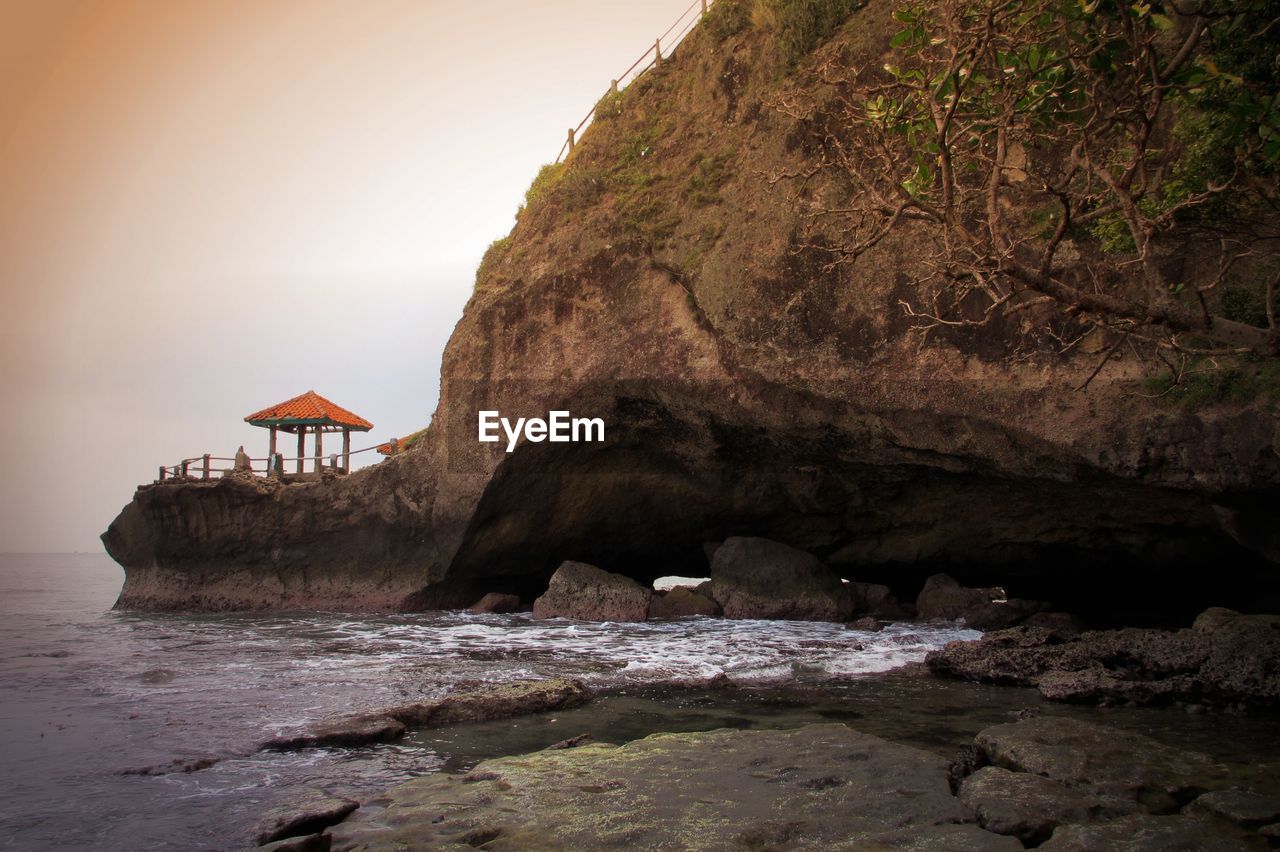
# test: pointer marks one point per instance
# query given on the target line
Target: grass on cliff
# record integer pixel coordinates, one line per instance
(1205, 383)
(801, 25)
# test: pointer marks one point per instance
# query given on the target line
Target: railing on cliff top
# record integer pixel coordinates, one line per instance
(198, 468)
(651, 57)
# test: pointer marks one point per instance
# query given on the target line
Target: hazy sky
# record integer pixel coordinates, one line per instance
(209, 206)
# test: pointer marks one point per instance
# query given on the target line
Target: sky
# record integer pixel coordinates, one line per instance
(210, 206)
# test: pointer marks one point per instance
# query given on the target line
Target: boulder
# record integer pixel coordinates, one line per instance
(1111, 763)
(585, 592)
(867, 623)
(310, 813)
(500, 701)
(759, 578)
(819, 787)
(1029, 807)
(944, 598)
(1143, 833)
(496, 602)
(868, 597)
(681, 602)
(982, 609)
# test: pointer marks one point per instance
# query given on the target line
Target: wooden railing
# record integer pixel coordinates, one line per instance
(651, 57)
(202, 467)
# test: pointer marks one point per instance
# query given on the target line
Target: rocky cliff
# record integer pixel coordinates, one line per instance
(667, 279)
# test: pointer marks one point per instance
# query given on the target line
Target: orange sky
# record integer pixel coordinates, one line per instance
(208, 206)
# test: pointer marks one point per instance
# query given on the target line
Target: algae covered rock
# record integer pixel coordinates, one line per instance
(822, 786)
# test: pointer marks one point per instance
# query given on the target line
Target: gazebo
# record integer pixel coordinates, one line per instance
(310, 412)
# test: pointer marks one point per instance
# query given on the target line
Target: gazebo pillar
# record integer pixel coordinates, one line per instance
(319, 448)
(302, 445)
(271, 449)
(346, 450)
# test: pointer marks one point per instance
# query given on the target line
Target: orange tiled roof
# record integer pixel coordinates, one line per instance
(308, 409)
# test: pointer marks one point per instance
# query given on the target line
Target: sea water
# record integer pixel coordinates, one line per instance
(90, 696)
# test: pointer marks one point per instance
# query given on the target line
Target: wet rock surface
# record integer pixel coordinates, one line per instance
(1244, 808)
(578, 590)
(1107, 762)
(815, 787)
(307, 815)
(1029, 806)
(1145, 833)
(759, 578)
(1226, 658)
(391, 723)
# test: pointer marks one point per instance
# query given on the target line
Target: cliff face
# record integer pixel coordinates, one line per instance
(660, 281)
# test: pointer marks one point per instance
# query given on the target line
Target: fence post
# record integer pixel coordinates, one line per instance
(704, 7)
(162, 473)
(657, 51)
(570, 140)
(613, 87)
(185, 463)
(206, 466)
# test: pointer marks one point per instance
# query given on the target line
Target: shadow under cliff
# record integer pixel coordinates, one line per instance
(680, 470)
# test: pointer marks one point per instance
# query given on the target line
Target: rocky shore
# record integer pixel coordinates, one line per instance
(1225, 658)
(1040, 782)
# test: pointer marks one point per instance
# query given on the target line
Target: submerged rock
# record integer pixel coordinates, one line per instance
(583, 591)
(310, 813)
(759, 578)
(821, 786)
(343, 733)
(500, 701)
(180, 765)
(1226, 658)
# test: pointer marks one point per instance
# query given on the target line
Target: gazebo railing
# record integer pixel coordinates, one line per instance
(207, 466)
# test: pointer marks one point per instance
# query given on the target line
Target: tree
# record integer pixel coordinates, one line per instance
(1114, 162)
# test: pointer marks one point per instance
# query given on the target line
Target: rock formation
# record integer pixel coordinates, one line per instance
(1225, 658)
(660, 281)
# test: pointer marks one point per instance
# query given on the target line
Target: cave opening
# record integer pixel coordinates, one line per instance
(671, 481)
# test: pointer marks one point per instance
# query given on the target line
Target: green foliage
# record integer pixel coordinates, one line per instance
(802, 25)
(609, 106)
(547, 179)
(727, 18)
(1244, 304)
(581, 187)
(711, 171)
(1113, 234)
(650, 218)
(1205, 383)
(493, 255)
